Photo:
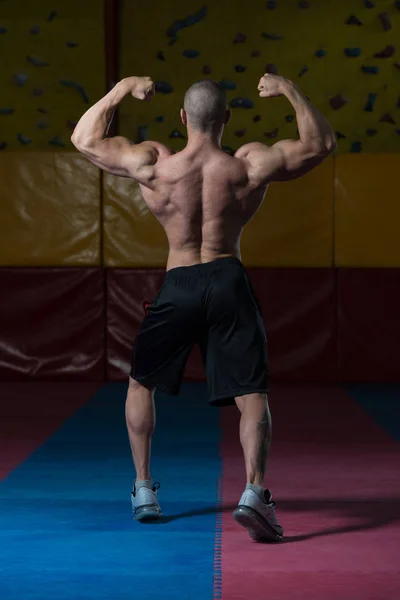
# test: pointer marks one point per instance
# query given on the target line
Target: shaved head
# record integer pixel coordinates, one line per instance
(205, 105)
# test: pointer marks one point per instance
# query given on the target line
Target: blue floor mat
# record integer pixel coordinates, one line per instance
(65, 520)
(382, 402)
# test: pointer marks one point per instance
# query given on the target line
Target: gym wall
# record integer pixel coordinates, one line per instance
(80, 251)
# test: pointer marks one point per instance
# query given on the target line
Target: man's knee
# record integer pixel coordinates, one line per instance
(135, 386)
(259, 399)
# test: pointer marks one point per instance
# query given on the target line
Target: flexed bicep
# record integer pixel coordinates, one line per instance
(117, 155)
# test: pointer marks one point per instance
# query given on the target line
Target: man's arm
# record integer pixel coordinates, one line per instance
(117, 155)
(289, 159)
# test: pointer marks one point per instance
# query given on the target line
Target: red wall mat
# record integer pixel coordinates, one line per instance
(31, 411)
(334, 500)
(298, 307)
(52, 324)
(127, 290)
(369, 324)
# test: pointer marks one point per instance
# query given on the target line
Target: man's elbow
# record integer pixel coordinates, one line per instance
(330, 145)
(77, 140)
(84, 144)
(323, 148)
(80, 142)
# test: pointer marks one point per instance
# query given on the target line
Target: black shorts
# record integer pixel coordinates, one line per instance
(213, 305)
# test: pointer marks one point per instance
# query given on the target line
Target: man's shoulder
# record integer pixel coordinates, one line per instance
(247, 149)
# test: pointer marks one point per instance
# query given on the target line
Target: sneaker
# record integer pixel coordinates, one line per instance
(258, 516)
(145, 506)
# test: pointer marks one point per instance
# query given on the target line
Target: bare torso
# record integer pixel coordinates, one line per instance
(203, 201)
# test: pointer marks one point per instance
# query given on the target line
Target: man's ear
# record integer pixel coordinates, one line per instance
(227, 116)
(183, 116)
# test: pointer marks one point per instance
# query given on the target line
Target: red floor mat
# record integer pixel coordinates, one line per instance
(31, 412)
(334, 475)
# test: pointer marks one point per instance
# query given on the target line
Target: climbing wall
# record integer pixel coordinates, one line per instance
(341, 53)
(52, 68)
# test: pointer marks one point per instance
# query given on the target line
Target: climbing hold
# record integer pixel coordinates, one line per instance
(177, 134)
(42, 125)
(57, 141)
(190, 20)
(160, 119)
(352, 20)
(37, 62)
(52, 15)
(71, 44)
(255, 54)
(371, 69)
(304, 4)
(303, 71)
(240, 132)
(78, 87)
(386, 52)
(270, 68)
(338, 101)
(207, 70)
(257, 118)
(3, 145)
(320, 53)
(163, 87)
(289, 118)
(37, 92)
(352, 52)
(3, 30)
(272, 36)
(271, 134)
(240, 38)
(142, 134)
(339, 135)
(190, 53)
(356, 147)
(369, 107)
(43, 110)
(271, 4)
(369, 4)
(34, 30)
(23, 139)
(387, 118)
(371, 132)
(240, 68)
(161, 55)
(20, 78)
(241, 103)
(7, 111)
(228, 150)
(386, 21)
(227, 85)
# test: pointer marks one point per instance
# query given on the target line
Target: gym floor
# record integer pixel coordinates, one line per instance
(66, 527)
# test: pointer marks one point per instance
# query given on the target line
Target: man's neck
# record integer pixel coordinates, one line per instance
(201, 139)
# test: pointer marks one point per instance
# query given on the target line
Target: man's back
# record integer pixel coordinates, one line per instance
(202, 198)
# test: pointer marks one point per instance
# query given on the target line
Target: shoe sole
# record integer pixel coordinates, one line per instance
(147, 514)
(259, 529)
